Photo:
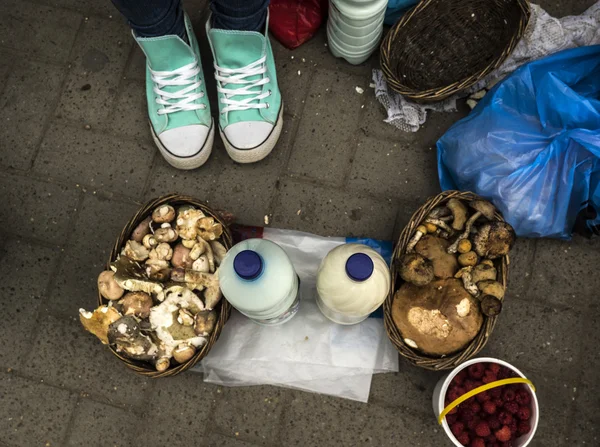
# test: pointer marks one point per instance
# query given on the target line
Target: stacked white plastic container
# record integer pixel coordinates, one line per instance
(354, 28)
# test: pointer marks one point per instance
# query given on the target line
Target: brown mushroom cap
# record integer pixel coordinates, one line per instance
(136, 303)
(459, 212)
(493, 288)
(484, 207)
(108, 287)
(204, 322)
(494, 240)
(142, 229)
(468, 259)
(435, 249)
(439, 318)
(164, 213)
(483, 272)
(415, 269)
(491, 306)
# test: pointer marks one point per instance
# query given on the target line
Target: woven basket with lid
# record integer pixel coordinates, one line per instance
(477, 344)
(223, 309)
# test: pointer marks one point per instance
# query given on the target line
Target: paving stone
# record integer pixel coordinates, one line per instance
(26, 269)
(394, 170)
(131, 114)
(37, 209)
(215, 439)
(247, 190)
(29, 97)
(86, 7)
(406, 208)
(324, 143)
(293, 86)
(99, 425)
(5, 68)
(100, 56)
(67, 356)
(372, 122)
(561, 8)
(98, 226)
(331, 212)
(177, 411)
(410, 387)
(37, 30)
(543, 339)
(253, 413)
(314, 420)
(522, 263)
(33, 413)
(95, 159)
(136, 69)
(566, 272)
(437, 124)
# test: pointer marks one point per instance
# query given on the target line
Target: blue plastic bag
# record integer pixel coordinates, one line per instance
(532, 145)
(396, 8)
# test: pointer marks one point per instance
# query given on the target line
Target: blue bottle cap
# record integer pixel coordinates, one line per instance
(248, 264)
(359, 267)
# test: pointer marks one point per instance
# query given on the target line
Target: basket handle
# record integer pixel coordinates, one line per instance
(482, 388)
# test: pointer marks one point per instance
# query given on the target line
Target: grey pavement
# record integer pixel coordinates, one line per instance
(77, 159)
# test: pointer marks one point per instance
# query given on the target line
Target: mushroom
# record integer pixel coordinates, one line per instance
(491, 306)
(434, 248)
(108, 287)
(440, 224)
(459, 213)
(164, 213)
(162, 251)
(162, 364)
(142, 229)
(204, 322)
(200, 280)
(494, 240)
(488, 262)
(201, 264)
(136, 251)
(187, 221)
(431, 228)
(421, 231)
(185, 317)
(183, 353)
(464, 246)
(219, 251)
(483, 272)
(415, 269)
(137, 304)
(149, 241)
(493, 288)
(130, 275)
(202, 247)
(188, 243)
(208, 229)
(439, 212)
(166, 234)
(125, 334)
(483, 207)
(98, 321)
(437, 319)
(468, 259)
(158, 269)
(467, 279)
(181, 257)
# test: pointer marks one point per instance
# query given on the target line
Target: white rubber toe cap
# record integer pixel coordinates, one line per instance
(248, 134)
(185, 141)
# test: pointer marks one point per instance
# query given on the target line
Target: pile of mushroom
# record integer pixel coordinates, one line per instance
(458, 240)
(163, 289)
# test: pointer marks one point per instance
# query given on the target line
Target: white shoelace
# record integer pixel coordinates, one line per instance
(182, 99)
(237, 76)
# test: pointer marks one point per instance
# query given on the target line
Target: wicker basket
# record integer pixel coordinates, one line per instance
(477, 344)
(223, 309)
(441, 47)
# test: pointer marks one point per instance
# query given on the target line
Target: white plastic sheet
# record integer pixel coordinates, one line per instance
(309, 352)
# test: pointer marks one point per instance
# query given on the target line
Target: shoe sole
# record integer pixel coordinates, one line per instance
(259, 152)
(193, 161)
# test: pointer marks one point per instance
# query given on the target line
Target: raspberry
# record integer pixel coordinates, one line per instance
(505, 417)
(508, 395)
(523, 427)
(463, 438)
(483, 397)
(455, 393)
(469, 385)
(511, 407)
(478, 442)
(523, 397)
(460, 377)
(473, 423)
(498, 402)
(494, 423)
(476, 370)
(475, 406)
(489, 377)
(504, 434)
(505, 373)
(466, 414)
(507, 444)
(482, 429)
(496, 393)
(514, 428)
(457, 428)
(494, 367)
(489, 407)
(451, 418)
(524, 413)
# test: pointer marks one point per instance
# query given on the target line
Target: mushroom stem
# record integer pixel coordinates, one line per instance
(468, 284)
(465, 234)
(440, 224)
(421, 231)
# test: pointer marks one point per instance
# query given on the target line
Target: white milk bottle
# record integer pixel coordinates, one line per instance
(259, 280)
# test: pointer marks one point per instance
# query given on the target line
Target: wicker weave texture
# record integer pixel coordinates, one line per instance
(477, 344)
(441, 47)
(223, 309)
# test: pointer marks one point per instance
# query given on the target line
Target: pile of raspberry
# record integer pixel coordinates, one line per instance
(493, 418)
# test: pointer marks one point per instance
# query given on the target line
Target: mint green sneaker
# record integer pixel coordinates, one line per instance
(178, 107)
(250, 106)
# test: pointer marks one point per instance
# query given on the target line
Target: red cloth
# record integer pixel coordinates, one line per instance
(293, 22)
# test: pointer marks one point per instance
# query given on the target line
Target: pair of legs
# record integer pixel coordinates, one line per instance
(250, 106)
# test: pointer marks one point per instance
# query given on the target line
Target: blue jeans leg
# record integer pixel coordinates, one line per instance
(241, 15)
(152, 18)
